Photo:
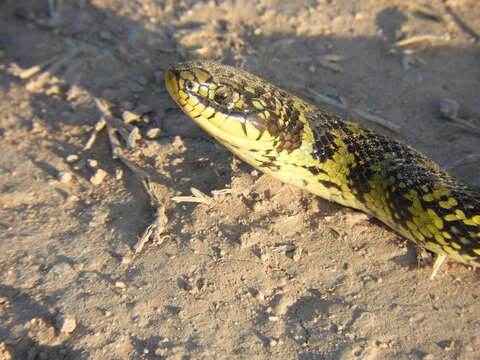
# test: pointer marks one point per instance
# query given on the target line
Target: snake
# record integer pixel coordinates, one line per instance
(301, 144)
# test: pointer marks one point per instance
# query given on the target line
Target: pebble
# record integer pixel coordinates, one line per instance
(64, 176)
(54, 90)
(273, 342)
(127, 259)
(120, 284)
(98, 177)
(5, 353)
(129, 116)
(67, 324)
(153, 133)
(118, 173)
(449, 108)
(92, 163)
(71, 158)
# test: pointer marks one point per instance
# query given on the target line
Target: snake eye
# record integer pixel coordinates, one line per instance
(223, 95)
(189, 85)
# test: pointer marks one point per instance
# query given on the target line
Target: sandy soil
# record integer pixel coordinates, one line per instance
(263, 270)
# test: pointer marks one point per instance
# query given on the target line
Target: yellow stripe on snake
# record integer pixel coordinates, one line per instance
(300, 144)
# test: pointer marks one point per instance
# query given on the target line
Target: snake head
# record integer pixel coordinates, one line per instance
(232, 105)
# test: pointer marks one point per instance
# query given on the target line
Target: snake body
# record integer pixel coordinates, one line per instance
(300, 144)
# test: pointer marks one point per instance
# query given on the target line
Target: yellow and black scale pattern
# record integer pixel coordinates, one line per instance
(298, 143)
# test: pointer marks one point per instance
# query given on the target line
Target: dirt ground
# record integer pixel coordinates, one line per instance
(260, 270)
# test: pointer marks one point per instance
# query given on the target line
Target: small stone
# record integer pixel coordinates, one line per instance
(71, 158)
(54, 90)
(118, 173)
(449, 108)
(5, 353)
(129, 117)
(447, 345)
(98, 177)
(273, 342)
(120, 284)
(127, 259)
(297, 254)
(153, 133)
(92, 163)
(4, 301)
(67, 324)
(64, 176)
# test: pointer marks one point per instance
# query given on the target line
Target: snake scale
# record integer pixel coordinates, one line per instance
(300, 144)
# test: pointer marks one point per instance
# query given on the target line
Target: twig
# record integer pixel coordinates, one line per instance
(422, 9)
(327, 100)
(377, 120)
(329, 61)
(461, 24)
(99, 126)
(154, 230)
(422, 38)
(28, 73)
(198, 197)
